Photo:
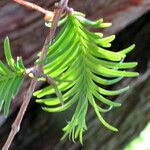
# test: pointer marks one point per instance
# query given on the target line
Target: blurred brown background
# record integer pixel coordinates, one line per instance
(42, 131)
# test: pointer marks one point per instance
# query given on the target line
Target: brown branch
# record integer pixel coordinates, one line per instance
(38, 70)
(48, 14)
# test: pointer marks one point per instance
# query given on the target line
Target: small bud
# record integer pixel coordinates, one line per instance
(49, 16)
(57, 5)
(31, 75)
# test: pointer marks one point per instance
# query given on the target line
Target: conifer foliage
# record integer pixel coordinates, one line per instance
(11, 77)
(82, 65)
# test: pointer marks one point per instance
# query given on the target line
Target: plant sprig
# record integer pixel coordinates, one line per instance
(82, 57)
(11, 77)
(77, 64)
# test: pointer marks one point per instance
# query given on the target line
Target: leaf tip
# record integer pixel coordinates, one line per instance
(45, 108)
(136, 74)
(115, 130)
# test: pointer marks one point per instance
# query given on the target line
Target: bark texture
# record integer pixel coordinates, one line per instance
(42, 130)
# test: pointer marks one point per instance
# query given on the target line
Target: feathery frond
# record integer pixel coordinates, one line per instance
(11, 77)
(79, 61)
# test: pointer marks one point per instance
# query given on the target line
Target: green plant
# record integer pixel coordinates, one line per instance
(77, 64)
(11, 77)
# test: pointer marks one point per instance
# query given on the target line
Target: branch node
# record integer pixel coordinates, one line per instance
(15, 128)
(69, 10)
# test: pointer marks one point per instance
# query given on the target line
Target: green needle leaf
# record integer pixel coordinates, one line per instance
(7, 51)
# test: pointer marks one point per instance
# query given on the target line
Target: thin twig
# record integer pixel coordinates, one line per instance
(35, 7)
(38, 69)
